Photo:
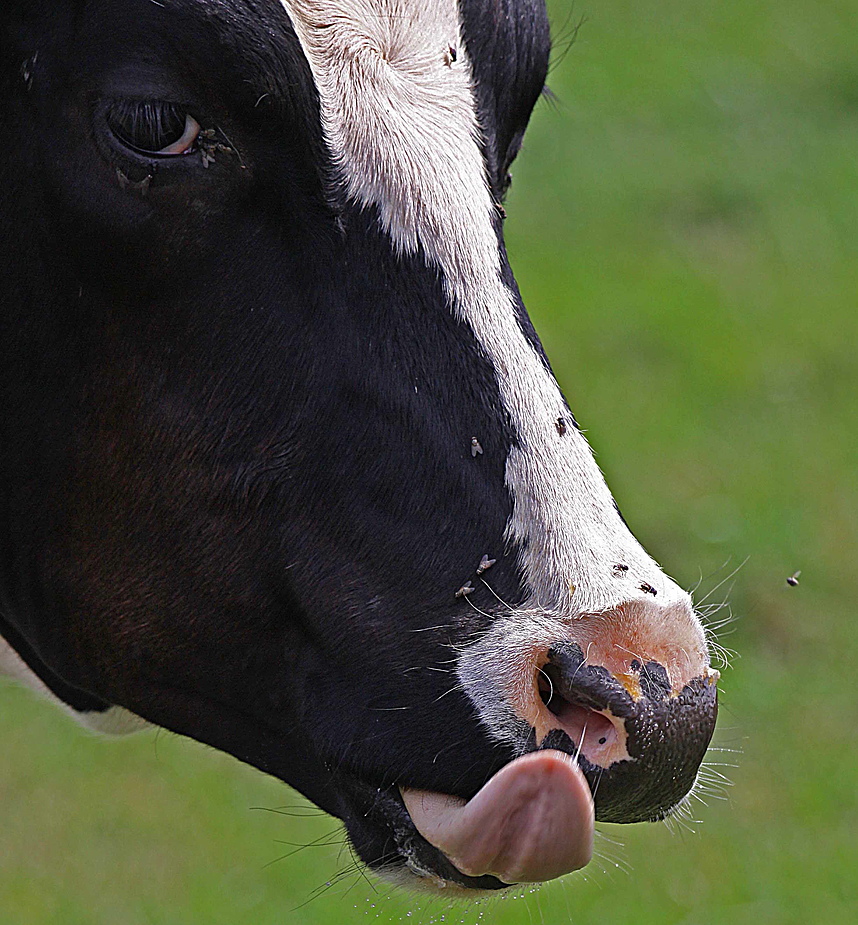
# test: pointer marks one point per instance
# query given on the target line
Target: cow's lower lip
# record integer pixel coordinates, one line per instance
(532, 821)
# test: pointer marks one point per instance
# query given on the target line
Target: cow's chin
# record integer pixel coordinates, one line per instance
(532, 821)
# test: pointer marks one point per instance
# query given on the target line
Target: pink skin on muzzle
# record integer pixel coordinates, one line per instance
(532, 821)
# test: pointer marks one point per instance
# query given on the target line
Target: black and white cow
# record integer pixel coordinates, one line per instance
(283, 466)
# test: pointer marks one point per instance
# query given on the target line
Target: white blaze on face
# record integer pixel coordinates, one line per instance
(399, 118)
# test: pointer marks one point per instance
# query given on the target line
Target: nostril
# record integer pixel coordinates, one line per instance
(548, 681)
(595, 733)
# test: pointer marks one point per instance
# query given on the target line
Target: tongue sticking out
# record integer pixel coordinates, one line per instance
(532, 821)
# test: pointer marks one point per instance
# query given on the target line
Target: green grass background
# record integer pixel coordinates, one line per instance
(684, 226)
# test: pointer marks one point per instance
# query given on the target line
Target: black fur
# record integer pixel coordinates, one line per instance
(236, 484)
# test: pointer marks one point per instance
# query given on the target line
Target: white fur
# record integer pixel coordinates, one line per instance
(114, 721)
(400, 123)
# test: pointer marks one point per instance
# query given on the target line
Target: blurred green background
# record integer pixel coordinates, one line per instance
(684, 227)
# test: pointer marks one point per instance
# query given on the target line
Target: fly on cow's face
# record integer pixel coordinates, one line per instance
(485, 564)
(560, 424)
(648, 588)
(215, 141)
(27, 69)
(125, 183)
(476, 449)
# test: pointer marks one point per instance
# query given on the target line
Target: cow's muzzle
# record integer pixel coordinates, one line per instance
(595, 731)
(638, 741)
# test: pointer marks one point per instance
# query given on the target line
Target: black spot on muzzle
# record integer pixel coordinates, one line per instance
(667, 735)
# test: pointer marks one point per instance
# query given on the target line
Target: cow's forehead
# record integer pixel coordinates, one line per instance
(398, 115)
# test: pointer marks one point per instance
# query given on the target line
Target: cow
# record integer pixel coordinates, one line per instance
(283, 465)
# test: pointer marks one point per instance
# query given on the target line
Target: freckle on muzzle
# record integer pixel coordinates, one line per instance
(638, 743)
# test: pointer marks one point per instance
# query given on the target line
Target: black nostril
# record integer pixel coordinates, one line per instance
(549, 687)
(592, 686)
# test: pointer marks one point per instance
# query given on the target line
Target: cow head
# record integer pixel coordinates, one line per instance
(284, 467)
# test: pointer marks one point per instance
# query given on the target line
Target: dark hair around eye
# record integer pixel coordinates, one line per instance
(149, 126)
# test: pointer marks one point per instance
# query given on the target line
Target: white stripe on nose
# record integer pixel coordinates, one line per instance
(399, 118)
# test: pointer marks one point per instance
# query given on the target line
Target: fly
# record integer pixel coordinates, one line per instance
(125, 183)
(485, 564)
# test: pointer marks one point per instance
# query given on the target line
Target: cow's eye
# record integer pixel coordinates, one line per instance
(153, 127)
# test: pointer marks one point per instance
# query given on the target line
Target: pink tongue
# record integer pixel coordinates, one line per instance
(532, 821)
